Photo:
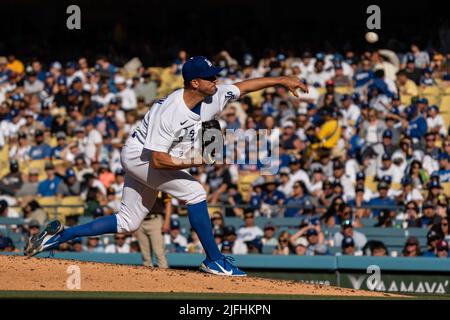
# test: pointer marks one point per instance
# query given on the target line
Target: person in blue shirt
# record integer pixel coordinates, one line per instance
(417, 125)
(444, 168)
(364, 76)
(45, 117)
(49, 187)
(61, 144)
(382, 201)
(271, 195)
(256, 196)
(40, 150)
(294, 204)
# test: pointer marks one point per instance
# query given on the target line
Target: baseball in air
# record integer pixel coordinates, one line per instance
(371, 37)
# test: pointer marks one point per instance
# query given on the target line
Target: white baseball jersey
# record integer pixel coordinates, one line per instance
(170, 126)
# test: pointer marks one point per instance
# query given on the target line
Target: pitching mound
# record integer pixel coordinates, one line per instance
(40, 274)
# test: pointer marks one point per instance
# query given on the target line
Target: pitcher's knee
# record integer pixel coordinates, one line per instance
(126, 224)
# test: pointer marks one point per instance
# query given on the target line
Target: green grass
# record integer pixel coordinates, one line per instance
(184, 296)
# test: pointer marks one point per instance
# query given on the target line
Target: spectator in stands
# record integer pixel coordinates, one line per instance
(175, 237)
(119, 183)
(119, 245)
(30, 186)
(227, 247)
(411, 71)
(33, 211)
(40, 150)
(429, 216)
(7, 245)
(194, 245)
(294, 204)
(11, 183)
(407, 87)
(250, 230)
(70, 186)
(217, 221)
(348, 247)
(238, 246)
(34, 228)
(443, 228)
(416, 125)
(6, 210)
(412, 247)
(271, 199)
(442, 249)
(126, 95)
(93, 245)
(382, 200)
(378, 249)
(21, 150)
(444, 167)
(49, 187)
(348, 231)
(268, 238)
(77, 246)
(329, 218)
(386, 219)
(254, 246)
(284, 244)
(435, 122)
(433, 238)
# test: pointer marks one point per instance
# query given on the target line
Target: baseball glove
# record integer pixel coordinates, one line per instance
(210, 129)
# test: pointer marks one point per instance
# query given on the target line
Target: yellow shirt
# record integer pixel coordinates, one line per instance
(16, 66)
(407, 91)
(329, 134)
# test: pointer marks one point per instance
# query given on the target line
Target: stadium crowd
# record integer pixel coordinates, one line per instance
(369, 140)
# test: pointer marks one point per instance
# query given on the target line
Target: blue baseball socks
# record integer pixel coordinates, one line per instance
(200, 222)
(102, 225)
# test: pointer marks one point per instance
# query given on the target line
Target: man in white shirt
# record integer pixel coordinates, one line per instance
(119, 246)
(94, 141)
(350, 111)
(249, 231)
(157, 154)
(127, 95)
(435, 122)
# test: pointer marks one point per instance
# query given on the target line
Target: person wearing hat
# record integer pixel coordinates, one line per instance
(444, 167)
(147, 88)
(61, 144)
(94, 245)
(7, 245)
(388, 169)
(11, 125)
(411, 247)
(150, 233)
(347, 230)
(70, 186)
(340, 177)
(417, 127)
(348, 247)
(32, 84)
(435, 122)
(409, 192)
(350, 111)
(382, 201)
(11, 183)
(429, 216)
(433, 237)
(297, 173)
(271, 199)
(49, 187)
(227, 247)
(175, 237)
(249, 231)
(126, 95)
(411, 71)
(268, 238)
(40, 150)
(442, 249)
(30, 186)
(238, 246)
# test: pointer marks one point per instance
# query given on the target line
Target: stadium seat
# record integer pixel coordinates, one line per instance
(245, 184)
(446, 186)
(344, 90)
(49, 204)
(4, 161)
(268, 249)
(35, 164)
(70, 206)
(371, 183)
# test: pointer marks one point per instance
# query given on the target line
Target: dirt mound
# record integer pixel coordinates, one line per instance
(40, 274)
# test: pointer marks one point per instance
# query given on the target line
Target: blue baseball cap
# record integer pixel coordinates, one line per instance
(434, 184)
(396, 97)
(444, 156)
(227, 245)
(348, 242)
(61, 81)
(410, 58)
(360, 176)
(174, 224)
(14, 113)
(387, 179)
(428, 70)
(387, 134)
(433, 107)
(98, 212)
(70, 173)
(5, 242)
(406, 180)
(199, 67)
(422, 100)
(311, 232)
(345, 97)
(355, 96)
(71, 64)
(16, 97)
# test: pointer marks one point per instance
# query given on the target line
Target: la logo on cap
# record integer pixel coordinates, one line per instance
(208, 62)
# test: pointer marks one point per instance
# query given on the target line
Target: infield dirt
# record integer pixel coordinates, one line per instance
(19, 273)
